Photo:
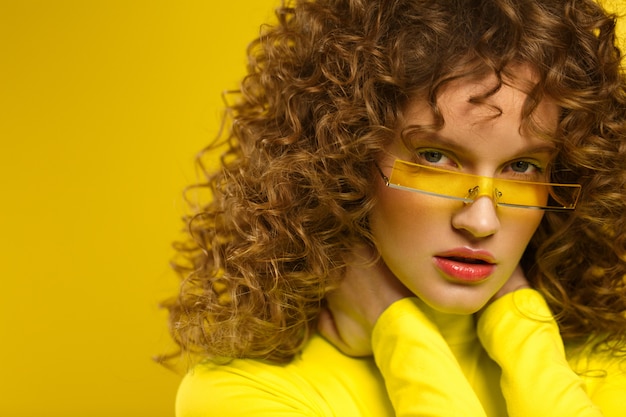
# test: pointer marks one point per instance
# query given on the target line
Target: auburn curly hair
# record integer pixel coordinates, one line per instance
(325, 90)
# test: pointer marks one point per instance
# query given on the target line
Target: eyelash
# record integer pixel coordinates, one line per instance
(536, 174)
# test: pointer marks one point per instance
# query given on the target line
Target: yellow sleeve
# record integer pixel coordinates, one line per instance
(422, 376)
(520, 334)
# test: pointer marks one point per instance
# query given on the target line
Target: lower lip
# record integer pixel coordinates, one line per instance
(464, 272)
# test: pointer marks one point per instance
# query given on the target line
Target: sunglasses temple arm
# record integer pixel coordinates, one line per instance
(385, 178)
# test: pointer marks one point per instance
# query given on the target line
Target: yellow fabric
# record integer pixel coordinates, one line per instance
(319, 382)
(521, 335)
(432, 366)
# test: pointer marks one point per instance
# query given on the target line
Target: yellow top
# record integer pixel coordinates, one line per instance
(512, 363)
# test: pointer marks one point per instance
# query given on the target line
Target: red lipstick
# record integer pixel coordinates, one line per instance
(465, 264)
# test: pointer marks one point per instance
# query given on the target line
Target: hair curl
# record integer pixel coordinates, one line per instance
(324, 92)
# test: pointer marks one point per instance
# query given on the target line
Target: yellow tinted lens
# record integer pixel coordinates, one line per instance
(460, 186)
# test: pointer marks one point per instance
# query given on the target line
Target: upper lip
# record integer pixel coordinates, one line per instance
(469, 254)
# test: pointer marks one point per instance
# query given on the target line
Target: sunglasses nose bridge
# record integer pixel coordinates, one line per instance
(485, 187)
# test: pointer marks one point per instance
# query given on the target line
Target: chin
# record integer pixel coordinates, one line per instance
(457, 310)
(455, 306)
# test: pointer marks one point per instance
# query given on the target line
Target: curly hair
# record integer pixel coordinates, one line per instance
(325, 90)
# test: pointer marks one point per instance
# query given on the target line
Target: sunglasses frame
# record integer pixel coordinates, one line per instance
(474, 192)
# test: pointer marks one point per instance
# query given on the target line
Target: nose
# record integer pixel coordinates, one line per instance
(478, 218)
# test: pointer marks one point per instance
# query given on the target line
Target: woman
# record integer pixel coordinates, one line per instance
(438, 189)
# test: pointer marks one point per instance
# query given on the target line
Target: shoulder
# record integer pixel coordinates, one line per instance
(319, 382)
(595, 361)
(241, 387)
(604, 376)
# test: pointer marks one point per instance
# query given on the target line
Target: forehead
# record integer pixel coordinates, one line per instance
(481, 101)
(480, 120)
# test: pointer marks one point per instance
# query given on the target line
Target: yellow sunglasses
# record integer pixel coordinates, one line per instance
(467, 187)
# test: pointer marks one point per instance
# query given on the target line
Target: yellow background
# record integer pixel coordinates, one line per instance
(103, 105)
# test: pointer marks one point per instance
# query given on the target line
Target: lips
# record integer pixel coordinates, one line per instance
(465, 265)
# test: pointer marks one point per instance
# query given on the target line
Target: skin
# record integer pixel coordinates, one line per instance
(412, 230)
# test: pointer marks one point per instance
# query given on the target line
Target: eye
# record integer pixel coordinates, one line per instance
(527, 170)
(523, 166)
(434, 157)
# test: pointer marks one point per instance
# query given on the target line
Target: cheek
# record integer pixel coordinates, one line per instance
(388, 216)
(391, 210)
(527, 222)
(406, 218)
(393, 205)
(519, 228)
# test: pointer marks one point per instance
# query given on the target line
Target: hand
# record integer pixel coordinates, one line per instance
(367, 289)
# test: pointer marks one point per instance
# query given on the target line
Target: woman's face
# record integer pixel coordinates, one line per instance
(452, 255)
